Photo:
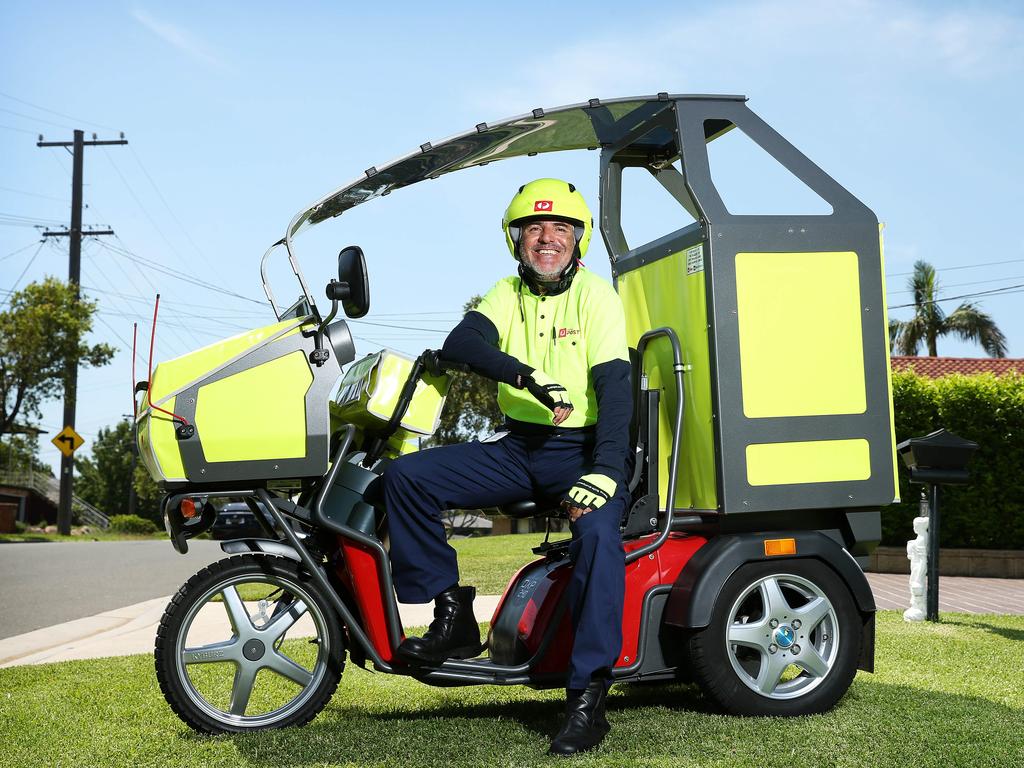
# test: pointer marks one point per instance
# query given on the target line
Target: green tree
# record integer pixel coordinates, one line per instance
(105, 477)
(20, 453)
(42, 329)
(471, 407)
(929, 322)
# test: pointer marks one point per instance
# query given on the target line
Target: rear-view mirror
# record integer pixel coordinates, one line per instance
(352, 271)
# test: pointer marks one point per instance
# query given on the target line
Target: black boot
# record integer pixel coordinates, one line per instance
(453, 634)
(585, 724)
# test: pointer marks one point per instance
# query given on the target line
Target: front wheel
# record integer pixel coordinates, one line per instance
(248, 643)
(784, 640)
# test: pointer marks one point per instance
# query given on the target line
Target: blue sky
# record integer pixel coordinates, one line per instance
(239, 114)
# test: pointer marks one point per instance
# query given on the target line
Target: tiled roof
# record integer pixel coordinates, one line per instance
(935, 367)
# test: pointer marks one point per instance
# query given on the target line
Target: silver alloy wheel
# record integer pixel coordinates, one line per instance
(778, 622)
(253, 648)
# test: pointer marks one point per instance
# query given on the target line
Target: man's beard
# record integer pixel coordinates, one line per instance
(544, 276)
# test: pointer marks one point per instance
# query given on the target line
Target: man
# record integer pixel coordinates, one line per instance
(554, 340)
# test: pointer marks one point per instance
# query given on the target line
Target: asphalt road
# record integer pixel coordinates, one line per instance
(46, 583)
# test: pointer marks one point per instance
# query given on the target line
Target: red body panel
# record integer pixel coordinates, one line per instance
(546, 585)
(660, 567)
(360, 571)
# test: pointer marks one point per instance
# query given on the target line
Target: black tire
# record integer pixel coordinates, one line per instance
(252, 650)
(735, 659)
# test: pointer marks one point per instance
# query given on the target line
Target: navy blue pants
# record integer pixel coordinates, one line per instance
(419, 486)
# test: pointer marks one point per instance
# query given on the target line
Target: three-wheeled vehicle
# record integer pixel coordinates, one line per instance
(762, 430)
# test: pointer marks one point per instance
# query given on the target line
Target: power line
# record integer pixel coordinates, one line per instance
(382, 346)
(17, 218)
(190, 304)
(20, 130)
(113, 330)
(128, 315)
(128, 253)
(30, 262)
(417, 314)
(125, 253)
(34, 194)
(37, 119)
(400, 327)
(993, 292)
(143, 208)
(184, 344)
(131, 282)
(15, 253)
(962, 266)
(171, 212)
(973, 282)
(54, 112)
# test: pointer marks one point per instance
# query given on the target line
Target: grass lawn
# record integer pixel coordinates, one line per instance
(488, 562)
(949, 694)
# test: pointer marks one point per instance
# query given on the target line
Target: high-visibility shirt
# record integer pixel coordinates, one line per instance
(565, 335)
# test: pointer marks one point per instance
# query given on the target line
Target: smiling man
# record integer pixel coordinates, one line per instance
(554, 339)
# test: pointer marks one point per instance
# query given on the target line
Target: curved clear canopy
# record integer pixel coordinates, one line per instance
(592, 125)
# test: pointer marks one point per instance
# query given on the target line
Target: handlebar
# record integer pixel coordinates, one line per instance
(435, 366)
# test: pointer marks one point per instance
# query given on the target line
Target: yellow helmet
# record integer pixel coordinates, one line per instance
(548, 199)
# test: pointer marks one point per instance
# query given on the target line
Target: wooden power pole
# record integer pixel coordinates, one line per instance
(74, 235)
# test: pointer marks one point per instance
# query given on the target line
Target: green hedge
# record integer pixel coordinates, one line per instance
(131, 524)
(989, 512)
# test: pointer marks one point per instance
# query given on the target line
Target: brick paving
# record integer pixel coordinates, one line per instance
(956, 593)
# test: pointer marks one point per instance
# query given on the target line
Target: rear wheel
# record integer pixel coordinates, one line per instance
(246, 644)
(784, 640)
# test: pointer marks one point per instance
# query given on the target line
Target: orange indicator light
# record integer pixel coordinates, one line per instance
(188, 510)
(776, 547)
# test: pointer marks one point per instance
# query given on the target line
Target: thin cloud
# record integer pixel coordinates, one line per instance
(176, 37)
(759, 41)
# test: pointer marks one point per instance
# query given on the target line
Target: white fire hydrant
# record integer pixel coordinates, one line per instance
(917, 553)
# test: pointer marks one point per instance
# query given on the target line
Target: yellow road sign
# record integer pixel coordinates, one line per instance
(68, 441)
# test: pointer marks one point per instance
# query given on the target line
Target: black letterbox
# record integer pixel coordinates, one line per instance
(940, 457)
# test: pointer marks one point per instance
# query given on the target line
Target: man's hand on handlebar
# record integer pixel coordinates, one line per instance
(434, 365)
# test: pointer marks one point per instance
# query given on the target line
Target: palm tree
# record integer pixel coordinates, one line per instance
(930, 322)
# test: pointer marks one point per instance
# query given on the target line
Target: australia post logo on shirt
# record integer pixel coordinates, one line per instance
(568, 332)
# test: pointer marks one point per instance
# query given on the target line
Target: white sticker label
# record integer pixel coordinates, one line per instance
(694, 259)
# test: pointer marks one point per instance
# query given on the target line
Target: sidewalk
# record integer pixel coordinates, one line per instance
(132, 629)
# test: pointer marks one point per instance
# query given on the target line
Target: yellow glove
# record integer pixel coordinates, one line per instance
(590, 492)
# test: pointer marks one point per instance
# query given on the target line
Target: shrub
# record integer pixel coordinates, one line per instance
(988, 513)
(131, 524)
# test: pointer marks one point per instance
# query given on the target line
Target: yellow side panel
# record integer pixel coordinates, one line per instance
(371, 388)
(670, 292)
(259, 413)
(815, 461)
(801, 349)
(158, 445)
(888, 368)
(173, 374)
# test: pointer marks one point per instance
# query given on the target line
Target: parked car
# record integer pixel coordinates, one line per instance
(236, 521)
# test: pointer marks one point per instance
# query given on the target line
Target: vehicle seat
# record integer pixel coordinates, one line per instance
(531, 508)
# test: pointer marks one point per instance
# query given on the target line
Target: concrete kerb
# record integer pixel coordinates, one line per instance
(132, 630)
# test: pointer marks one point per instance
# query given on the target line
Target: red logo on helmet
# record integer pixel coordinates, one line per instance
(543, 205)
